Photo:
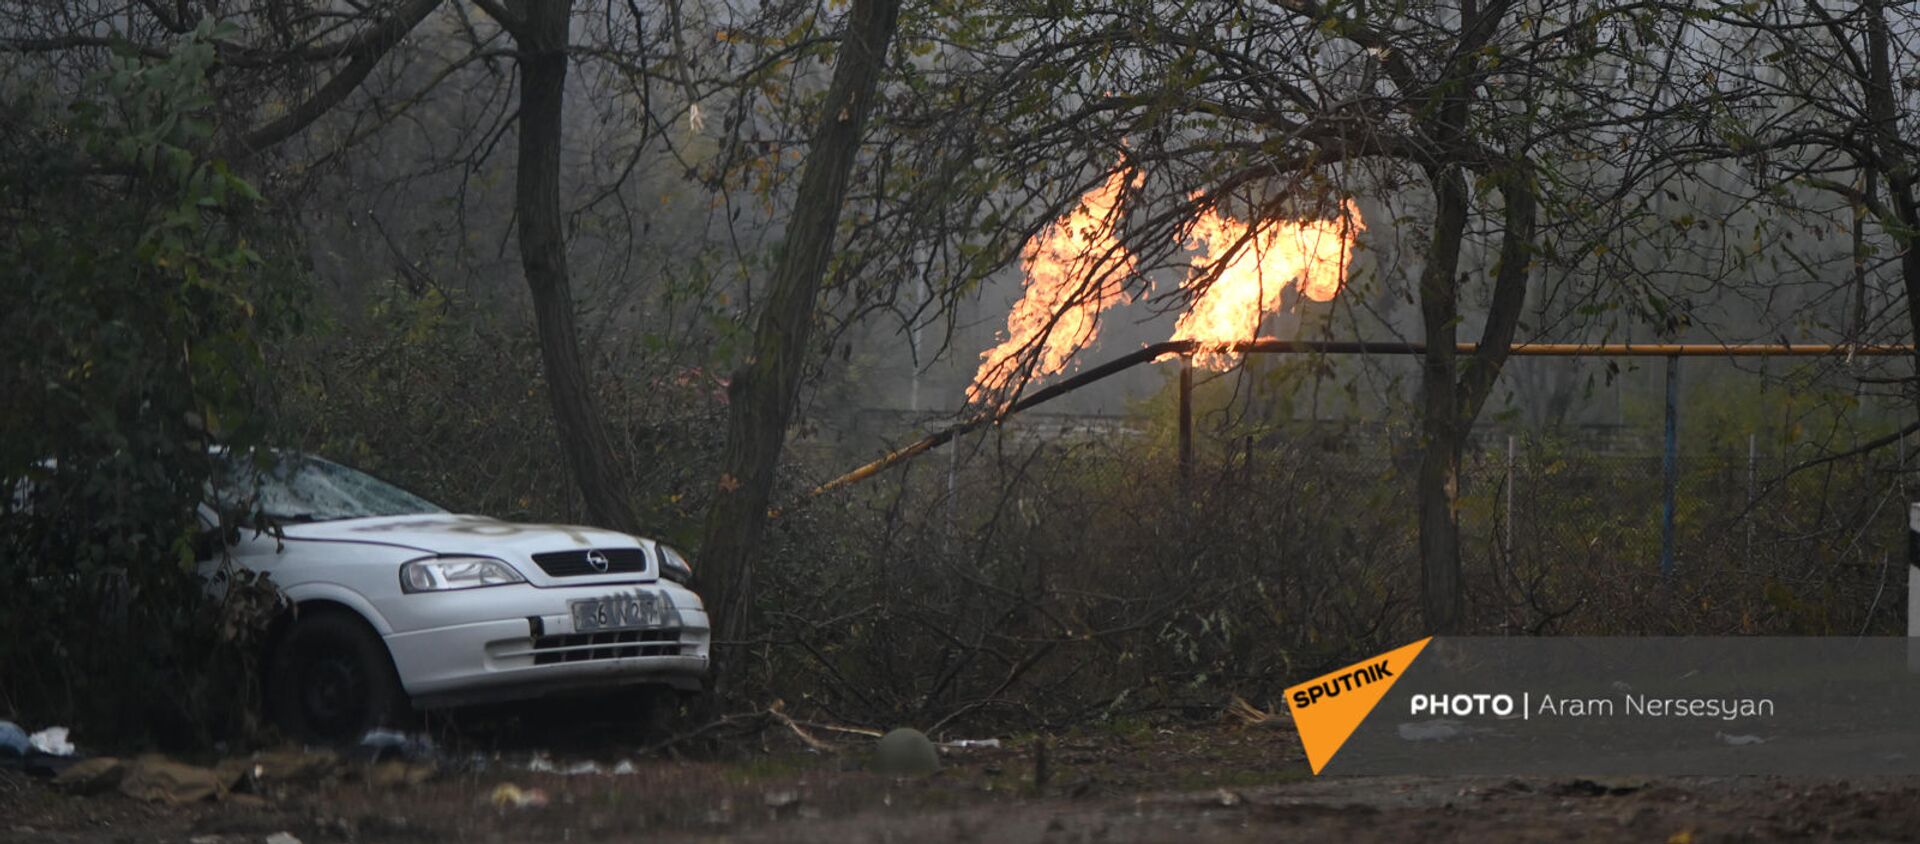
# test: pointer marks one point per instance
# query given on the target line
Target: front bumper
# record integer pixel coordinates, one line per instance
(506, 642)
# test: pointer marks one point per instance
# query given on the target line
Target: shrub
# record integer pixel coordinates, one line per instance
(133, 302)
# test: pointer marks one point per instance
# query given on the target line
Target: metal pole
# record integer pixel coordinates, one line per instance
(1186, 425)
(1670, 463)
(953, 492)
(1509, 548)
(1753, 481)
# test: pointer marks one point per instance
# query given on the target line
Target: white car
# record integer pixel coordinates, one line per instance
(397, 602)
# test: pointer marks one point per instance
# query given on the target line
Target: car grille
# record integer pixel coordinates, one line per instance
(574, 563)
(612, 644)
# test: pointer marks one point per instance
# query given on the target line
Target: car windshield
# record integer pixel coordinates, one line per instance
(301, 487)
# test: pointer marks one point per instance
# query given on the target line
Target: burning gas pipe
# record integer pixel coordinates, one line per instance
(1186, 348)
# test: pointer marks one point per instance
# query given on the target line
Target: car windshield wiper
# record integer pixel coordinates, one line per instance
(303, 518)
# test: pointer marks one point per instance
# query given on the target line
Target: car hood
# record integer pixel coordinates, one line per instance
(439, 533)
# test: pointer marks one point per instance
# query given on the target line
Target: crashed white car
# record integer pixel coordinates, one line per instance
(397, 602)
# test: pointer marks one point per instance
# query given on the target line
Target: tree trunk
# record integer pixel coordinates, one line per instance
(1882, 109)
(540, 29)
(1454, 392)
(1442, 592)
(1452, 397)
(1910, 277)
(764, 389)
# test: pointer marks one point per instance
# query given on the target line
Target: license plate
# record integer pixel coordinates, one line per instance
(617, 612)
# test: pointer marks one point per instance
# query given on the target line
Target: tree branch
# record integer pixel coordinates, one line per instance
(369, 49)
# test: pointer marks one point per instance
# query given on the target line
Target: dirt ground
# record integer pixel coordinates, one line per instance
(1113, 784)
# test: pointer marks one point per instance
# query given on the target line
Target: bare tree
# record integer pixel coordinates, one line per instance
(1512, 126)
(540, 28)
(1836, 111)
(765, 389)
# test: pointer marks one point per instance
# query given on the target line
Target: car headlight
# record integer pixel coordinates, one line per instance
(439, 574)
(673, 566)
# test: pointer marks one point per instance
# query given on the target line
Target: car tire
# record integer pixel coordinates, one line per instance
(649, 713)
(331, 679)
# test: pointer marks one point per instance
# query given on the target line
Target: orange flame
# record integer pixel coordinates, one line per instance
(1312, 254)
(1075, 268)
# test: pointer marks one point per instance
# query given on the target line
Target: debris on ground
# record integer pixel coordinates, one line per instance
(13, 740)
(157, 779)
(972, 744)
(52, 741)
(543, 764)
(1594, 788)
(781, 799)
(1253, 716)
(395, 772)
(289, 765)
(1213, 780)
(91, 776)
(509, 796)
(282, 838)
(905, 752)
(382, 743)
(778, 712)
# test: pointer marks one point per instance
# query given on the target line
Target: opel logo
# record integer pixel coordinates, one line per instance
(597, 560)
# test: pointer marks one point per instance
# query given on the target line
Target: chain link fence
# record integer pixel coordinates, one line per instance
(1759, 545)
(1044, 577)
(1557, 535)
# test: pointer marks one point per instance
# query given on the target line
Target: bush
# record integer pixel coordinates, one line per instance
(133, 302)
(1076, 582)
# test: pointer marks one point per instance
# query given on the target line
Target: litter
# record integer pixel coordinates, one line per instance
(967, 744)
(508, 795)
(274, 767)
(52, 741)
(540, 764)
(781, 799)
(158, 779)
(13, 740)
(381, 742)
(91, 776)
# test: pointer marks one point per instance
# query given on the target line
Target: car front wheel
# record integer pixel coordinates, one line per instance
(332, 680)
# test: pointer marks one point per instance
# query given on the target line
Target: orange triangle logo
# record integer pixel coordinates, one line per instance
(1327, 709)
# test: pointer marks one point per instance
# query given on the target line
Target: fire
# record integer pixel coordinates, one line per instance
(1075, 268)
(1311, 254)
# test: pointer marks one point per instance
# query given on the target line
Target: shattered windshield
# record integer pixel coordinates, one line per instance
(304, 488)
